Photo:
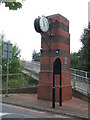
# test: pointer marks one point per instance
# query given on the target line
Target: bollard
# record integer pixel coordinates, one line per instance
(53, 97)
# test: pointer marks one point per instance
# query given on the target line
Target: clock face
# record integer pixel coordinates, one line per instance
(44, 25)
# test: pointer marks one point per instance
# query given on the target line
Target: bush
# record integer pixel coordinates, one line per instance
(18, 81)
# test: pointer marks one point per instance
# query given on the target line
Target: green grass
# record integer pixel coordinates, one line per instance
(19, 82)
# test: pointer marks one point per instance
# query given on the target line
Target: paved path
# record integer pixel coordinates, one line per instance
(73, 107)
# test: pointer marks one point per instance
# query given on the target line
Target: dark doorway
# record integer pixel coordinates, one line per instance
(57, 70)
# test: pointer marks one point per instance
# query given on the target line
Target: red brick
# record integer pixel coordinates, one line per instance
(55, 46)
(45, 60)
(61, 32)
(59, 18)
(46, 78)
(45, 92)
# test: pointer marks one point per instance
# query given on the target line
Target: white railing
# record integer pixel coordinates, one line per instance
(80, 73)
(80, 81)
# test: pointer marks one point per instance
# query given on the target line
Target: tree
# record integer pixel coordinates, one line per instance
(0, 55)
(89, 47)
(36, 56)
(81, 60)
(75, 60)
(13, 5)
(14, 64)
(85, 50)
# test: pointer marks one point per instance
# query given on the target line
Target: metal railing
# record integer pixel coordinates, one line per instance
(80, 81)
(80, 73)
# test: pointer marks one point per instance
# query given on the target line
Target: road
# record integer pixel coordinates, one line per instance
(10, 111)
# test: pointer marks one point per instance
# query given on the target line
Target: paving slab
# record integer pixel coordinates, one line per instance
(74, 107)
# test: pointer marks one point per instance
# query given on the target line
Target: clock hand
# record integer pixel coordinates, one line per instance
(43, 24)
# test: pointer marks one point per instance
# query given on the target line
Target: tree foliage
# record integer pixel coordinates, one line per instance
(75, 60)
(14, 64)
(81, 60)
(13, 5)
(85, 50)
(36, 56)
(88, 47)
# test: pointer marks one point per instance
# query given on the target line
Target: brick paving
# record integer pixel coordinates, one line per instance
(74, 107)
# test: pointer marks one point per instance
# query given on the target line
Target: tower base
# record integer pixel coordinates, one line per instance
(45, 93)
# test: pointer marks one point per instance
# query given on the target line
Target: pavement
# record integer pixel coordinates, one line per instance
(74, 107)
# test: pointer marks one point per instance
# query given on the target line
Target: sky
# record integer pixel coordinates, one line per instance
(18, 26)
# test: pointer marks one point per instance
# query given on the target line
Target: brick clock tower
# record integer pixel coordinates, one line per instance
(55, 43)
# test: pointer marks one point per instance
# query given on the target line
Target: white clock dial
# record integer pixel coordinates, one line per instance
(44, 25)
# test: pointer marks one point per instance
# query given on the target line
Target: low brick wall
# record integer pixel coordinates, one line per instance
(21, 90)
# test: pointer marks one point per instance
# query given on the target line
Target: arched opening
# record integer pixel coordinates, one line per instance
(57, 70)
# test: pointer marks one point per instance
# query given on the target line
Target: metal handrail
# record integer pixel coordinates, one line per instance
(80, 76)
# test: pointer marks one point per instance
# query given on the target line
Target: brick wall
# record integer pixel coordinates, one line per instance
(29, 90)
(56, 46)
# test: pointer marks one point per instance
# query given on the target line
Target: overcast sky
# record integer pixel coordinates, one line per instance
(18, 26)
